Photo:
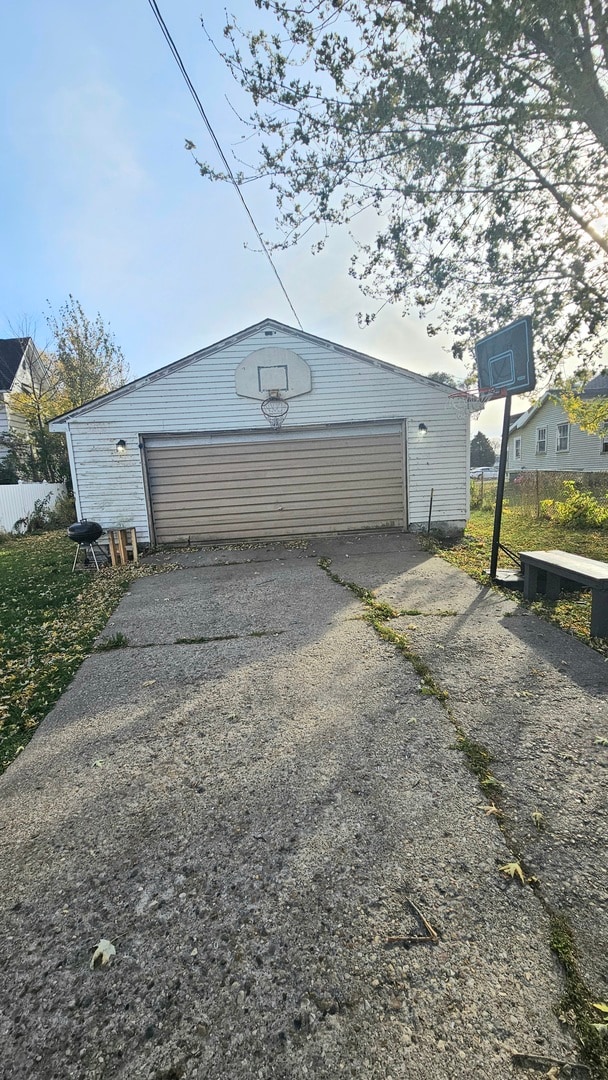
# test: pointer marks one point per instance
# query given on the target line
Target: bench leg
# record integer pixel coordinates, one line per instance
(530, 581)
(554, 586)
(599, 613)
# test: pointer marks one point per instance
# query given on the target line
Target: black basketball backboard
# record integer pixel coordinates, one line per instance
(504, 359)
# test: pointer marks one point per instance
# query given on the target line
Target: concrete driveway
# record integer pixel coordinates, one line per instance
(261, 803)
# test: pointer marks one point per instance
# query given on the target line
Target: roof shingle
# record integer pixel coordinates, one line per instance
(11, 354)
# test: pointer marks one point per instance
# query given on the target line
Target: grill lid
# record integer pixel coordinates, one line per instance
(85, 532)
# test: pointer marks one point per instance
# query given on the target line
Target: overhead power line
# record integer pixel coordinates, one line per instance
(216, 143)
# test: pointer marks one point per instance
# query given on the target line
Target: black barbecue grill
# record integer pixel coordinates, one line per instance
(86, 534)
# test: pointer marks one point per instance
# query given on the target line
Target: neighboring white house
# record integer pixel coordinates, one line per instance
(543, 438)
(19, 365)
(187, 454)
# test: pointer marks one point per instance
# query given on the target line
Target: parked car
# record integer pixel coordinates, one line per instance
(488, 472)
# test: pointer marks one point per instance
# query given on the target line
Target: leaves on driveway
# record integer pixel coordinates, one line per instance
(103, 952)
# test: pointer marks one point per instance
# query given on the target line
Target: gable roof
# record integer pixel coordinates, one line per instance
(11, 355)
(224, 343)
(596, 387)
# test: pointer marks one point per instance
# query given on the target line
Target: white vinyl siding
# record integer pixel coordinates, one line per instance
(3, 430)
(541, 440)
(584, 452)
(562, 444)
(199, 396)
(275, 485)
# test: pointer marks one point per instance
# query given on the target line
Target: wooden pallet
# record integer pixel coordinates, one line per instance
(120, 545)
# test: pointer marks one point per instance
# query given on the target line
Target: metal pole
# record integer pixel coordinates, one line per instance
(500, 487)
(428, 528)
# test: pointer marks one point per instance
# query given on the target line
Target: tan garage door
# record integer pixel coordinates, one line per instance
(274, 486)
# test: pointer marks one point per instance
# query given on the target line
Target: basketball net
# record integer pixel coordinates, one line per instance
(471, 403)
(275, 409)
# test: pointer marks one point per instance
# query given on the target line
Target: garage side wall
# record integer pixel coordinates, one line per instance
(200, 397)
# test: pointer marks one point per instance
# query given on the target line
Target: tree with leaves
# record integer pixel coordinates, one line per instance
(81, 362)
(482, 451)
(470, 136)
(443, 377)
(87, 360)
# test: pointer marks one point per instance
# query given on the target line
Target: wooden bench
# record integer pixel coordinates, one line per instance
(559, 565)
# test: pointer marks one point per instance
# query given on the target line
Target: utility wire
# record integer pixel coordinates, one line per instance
(216, 143)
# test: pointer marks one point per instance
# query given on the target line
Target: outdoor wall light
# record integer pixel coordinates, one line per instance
(121, 447)
(422, 428)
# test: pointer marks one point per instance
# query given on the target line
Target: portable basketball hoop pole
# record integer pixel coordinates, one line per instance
(500, 488)
(505, 363)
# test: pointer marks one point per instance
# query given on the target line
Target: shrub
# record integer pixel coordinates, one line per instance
(63, 512)
(8, 470)
(38, 518)
(579, 508)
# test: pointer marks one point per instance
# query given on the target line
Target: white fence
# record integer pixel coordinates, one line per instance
(17, 500)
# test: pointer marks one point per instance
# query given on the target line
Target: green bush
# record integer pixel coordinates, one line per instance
(578, 508)
(63, 512)
(8, 470)
(37, 520)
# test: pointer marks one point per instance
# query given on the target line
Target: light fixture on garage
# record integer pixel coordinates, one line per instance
(422, 428)
(275, 409)
(121, 447)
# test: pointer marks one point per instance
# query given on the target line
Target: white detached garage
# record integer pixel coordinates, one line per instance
(194, 453)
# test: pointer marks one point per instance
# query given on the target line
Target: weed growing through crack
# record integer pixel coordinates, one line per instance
(205, 640)
(378, 611)
(117, 641)
(574, 1007)
(479, 760)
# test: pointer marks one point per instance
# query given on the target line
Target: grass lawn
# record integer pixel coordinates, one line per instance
(521, 533)
(49, 618)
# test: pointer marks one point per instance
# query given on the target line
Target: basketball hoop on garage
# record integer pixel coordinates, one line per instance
(471, 403)
(275, 409)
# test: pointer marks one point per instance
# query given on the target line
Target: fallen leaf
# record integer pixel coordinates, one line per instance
(105, 950)
(493, 810)
(553, 1073)
(513, 869)
(601, 1029)
(538, 819)
(600, 1005)
(601, 741)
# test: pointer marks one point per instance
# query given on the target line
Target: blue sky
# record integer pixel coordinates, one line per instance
(100, 199)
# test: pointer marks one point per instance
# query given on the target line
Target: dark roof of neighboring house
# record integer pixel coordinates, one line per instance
(514, 418)
(11, 354)
(597, 387)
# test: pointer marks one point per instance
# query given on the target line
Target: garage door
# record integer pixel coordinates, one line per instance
(275, 486)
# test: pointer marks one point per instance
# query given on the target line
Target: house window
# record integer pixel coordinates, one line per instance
(517, 449)
(541, 440)
(604, 438)
(563, 438)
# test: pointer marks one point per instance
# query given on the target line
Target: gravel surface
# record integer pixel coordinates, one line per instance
(258, 820)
